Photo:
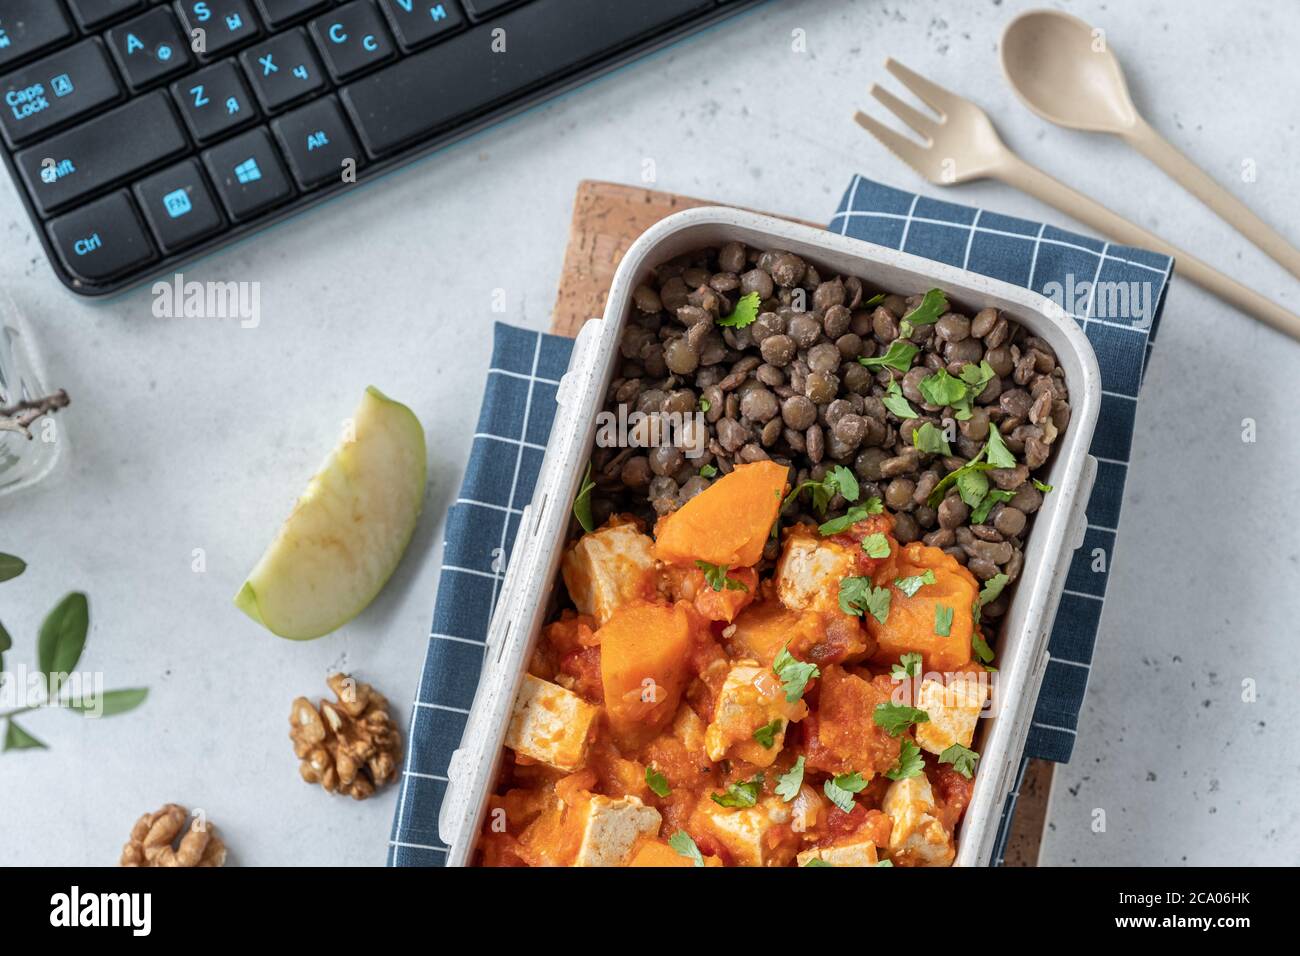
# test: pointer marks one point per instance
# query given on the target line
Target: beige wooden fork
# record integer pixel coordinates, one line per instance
(961, 145)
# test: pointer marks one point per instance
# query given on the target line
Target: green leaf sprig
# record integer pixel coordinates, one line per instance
(59, 645)
(745, 314)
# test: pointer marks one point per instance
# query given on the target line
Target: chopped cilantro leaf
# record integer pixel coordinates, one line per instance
(910, 763)
(871, 506)
(817, 861)
(933, 304)
(911, 584)
(794, 674)
(876, 299)
(657, 782)
(963, 759)
(896, 718)
(716, 576)
(841, 789)
(942, 389)
(992, 588)
(942, 620)
(708, 471)
(582, 503)
(884, 863)
(681, 842)
(876, 545)
(999, 455)
(1042, 486)
(982, 509)
(766, 735)
(972, 485)
(981, 647)
(788, 784)
(896, 403)
(909, 665)
(858, 595)
(705, 404)
(899, 356)
(745, 314)
(977, 376)
(743, 793)
(930, 440)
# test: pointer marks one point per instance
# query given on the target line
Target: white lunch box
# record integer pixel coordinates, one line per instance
(528, 593)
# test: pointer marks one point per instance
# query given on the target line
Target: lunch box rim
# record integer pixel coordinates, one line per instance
(533, 570)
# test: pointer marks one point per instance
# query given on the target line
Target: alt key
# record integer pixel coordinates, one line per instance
(101, 239)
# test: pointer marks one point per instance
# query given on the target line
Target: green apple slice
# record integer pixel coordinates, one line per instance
(349, 529)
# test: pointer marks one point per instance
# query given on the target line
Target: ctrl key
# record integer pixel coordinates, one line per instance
(101, 240)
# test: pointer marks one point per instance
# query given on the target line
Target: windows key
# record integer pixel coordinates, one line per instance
(178, 206)
(248, 174)
(318, 142)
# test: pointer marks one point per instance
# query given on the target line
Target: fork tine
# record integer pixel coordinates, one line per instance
(905, 149)
(931, 94)
(925, 125)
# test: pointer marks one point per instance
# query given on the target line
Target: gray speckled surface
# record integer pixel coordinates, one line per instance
(192, 433)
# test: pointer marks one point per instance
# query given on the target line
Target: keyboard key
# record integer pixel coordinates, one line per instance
(482, 9)
(283, 69)
(413, 97)
(29, 26)
(101, 151)
(279, 12)
(149, 48)
(93, 14)
(417, 22)
(58, 88)
(352, 38)
(225, 24)
(101, 239)
(214, 101)
(248, 174)
(178, 206)
(316, 140)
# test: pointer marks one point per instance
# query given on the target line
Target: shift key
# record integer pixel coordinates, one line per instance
(54, 90)
(112, 147)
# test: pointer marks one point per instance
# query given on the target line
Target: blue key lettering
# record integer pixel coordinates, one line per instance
(232, 106)
(301, 71)
(84, 247)
(164, 52)
(438, 12)
(317, 140)
(177, 203)
(27, 102)
(62, 85)
(133, 44)
(268, 65)
(52, 172)
(234, 22)
(4, 39)
(202, 13)
(200, 99)
(406, 4)
(370, 43)
(336, 33)
(248, 171)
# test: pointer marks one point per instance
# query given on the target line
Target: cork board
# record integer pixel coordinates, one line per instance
(607, 219)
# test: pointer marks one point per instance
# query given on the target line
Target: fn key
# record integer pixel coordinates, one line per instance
(101, 239)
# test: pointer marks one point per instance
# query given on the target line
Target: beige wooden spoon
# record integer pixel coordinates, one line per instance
(1063, 70)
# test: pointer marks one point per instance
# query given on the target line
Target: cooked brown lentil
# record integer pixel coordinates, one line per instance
(790, 387)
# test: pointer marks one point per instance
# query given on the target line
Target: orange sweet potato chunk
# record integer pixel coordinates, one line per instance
(910, 625)
(727, 523)
(644, 665)
(659, 853)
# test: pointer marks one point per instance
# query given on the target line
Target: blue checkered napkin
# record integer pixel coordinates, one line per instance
(519, 405)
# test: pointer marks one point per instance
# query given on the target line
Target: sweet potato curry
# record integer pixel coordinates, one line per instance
(689, 713)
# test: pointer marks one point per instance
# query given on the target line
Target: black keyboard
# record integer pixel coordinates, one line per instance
(141, 133)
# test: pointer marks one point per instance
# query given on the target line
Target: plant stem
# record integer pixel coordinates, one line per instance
(19, 416)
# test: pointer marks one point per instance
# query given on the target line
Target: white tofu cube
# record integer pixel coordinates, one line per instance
(612, 830)
(810, 570)
(550, 724)
(745, 832)
(954, 711)
(610, 567)
(751, 698)
(844, 854)
(917, 838)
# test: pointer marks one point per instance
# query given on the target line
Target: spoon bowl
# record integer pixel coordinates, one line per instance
(1063, 70)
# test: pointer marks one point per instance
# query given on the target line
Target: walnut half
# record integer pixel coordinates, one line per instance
(153, 841)
(350, 745)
